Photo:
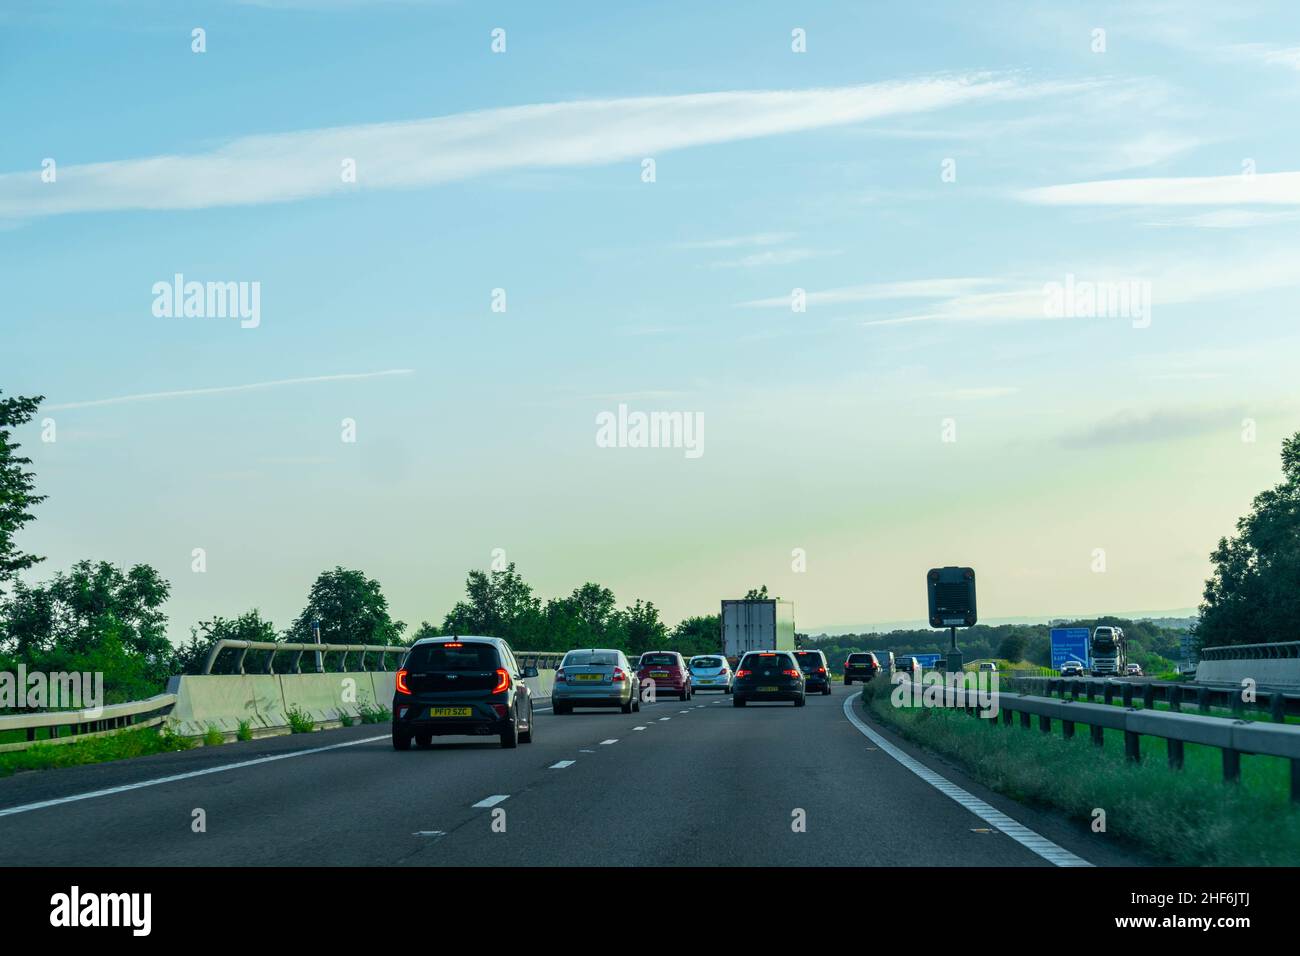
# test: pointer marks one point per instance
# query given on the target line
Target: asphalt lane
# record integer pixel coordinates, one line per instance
(701, 783)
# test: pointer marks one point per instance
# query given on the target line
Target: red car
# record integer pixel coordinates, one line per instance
(668, 671)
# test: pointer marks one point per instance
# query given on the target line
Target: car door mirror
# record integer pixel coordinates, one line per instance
(530, 671)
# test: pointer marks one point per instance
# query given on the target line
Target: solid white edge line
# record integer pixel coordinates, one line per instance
(1034, 842)
(158, 781)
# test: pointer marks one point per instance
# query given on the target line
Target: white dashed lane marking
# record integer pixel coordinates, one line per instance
(493, 800)
(562, 764)
(606, 743)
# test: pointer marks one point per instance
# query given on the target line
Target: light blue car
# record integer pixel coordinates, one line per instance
(595, 677)
(711, 672)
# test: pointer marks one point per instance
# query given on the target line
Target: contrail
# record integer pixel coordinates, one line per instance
(149, 396)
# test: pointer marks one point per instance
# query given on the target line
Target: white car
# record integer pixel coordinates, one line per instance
(710, 672)
(1134, 670)
(1071, 669)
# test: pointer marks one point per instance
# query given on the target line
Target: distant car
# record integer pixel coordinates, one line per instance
(769, 675)
(886, 661)
(1133, 670)
(597, 677)
(461, 685)
(668, 671)
(988, 666)
(816, 672)
(1072, 669)
(710, 672)
(861, 666)
(908, 665)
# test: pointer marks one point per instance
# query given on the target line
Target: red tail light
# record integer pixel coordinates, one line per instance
(559, 676)
(503, 681)
(790, 673)
(453, 644)
(619, 676)
(401, 682)
(821, 670)
(743, 673)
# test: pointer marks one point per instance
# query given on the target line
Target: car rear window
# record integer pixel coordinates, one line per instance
(589, 659)
(859, 658)
(425, 658)
(764, 660)
(809, 659)
(658, 660)
(707, 662)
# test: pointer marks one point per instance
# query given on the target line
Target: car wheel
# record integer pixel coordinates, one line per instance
(424, 741)
(737, 701)
(827, 690)
(627, 708)
(527, 736)
(401, 740)
(510, 736)
(801, 700)
(558, 709)
(848, 682)
(726, 690)
(683, 695)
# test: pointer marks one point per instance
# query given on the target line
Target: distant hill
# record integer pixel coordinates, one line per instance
(1175, 620)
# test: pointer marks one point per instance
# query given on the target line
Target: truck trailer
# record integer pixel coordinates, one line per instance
(756, 626)
(1109, 652)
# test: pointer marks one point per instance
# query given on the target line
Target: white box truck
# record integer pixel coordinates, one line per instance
(756, 626)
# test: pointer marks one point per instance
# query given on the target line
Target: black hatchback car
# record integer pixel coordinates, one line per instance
(768, 675)
(462, 685)
(817, 675)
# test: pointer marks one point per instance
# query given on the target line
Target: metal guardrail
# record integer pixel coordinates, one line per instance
(86, 723)
(1278, 701)
(1251, 652)
(1232, 737)
(69, 725)
(298, 649)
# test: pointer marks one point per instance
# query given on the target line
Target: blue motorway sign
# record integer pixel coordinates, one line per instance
(1069, 644)
(926, 660)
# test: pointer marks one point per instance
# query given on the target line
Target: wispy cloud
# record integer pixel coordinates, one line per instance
(220, 389)
(1229, 219)
(298, 165)
(734, 242)
(1130, 427)
(1237, 189)
(774, 257)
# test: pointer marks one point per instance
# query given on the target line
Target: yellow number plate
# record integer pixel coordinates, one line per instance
(588, 676)
(768, 690)
(450, 711)
(658, 673)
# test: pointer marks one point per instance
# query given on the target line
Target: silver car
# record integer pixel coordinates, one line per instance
(595, 677)
(710, 672)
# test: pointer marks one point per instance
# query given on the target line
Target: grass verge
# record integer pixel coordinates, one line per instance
(128, 743)
(1188, 817)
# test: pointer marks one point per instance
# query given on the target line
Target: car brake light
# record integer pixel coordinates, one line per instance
(619, 676)
(401, 682)
(743, 673)
(790, 673)
(453, 644)
(821, 670)
(503, 681)
(559, 676)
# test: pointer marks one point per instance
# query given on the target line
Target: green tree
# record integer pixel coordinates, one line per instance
(759, 594)
(700, 634)
(1012, 648)
(1252, 595)
(17, 486)
(640, 628)
(499, 604)
(351, 609)
(190, 657)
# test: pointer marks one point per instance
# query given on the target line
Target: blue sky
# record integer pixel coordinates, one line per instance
(1164, 159)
